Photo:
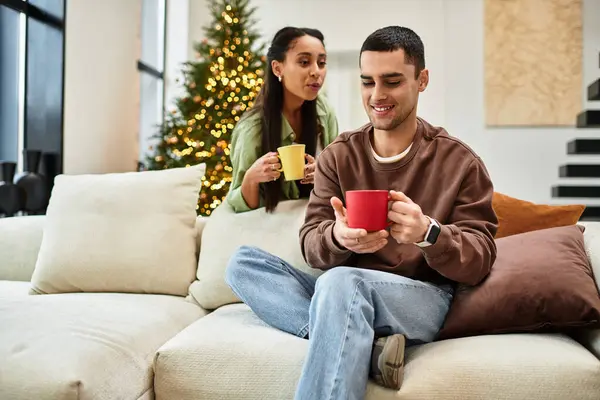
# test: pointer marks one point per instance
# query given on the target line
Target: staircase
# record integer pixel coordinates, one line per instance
(585, 147)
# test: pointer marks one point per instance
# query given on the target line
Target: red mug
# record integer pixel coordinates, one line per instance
(367, 209)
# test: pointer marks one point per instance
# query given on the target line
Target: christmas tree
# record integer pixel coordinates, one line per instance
(219, 85)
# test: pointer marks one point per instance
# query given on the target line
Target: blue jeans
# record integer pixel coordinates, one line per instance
(341, 312)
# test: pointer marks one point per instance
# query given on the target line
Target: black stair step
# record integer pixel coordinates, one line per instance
(588, 119)
(591, 213)
(580, 171)
(576, 191)
(594, 91)
(583, 146)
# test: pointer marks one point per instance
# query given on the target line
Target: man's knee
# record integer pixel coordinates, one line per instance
(339, 280)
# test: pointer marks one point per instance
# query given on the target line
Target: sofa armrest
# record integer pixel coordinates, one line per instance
(20, 241)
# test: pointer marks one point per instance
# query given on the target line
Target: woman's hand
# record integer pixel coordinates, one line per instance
(265, 169)
(309, 170)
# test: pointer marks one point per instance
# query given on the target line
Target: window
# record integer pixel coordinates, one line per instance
(11, 72)
(151, 67)
(31, 82)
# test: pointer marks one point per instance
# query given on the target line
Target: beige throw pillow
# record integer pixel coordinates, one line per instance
(129, 232)
(225, 231)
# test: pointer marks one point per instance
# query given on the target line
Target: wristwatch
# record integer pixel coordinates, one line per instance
(433, 231)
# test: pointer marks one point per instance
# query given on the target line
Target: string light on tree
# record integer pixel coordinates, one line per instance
(220, 84)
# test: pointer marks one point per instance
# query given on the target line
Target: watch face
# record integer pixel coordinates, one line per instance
(433, 234)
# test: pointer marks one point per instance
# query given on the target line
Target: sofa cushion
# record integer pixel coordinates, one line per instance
(237, 356)
(20, 242)
(200, 224)
(129, 232)
(85, 345)
(519, 216)
(541, 281)
(226, 231)
(14, 288)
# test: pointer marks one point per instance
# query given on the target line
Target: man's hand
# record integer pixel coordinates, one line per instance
(355, 240)
(409, 224)
(309, 170)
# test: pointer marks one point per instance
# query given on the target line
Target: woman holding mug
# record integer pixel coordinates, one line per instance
(288, 110)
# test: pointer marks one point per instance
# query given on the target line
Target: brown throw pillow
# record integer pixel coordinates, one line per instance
(518, 216)
(541, 281)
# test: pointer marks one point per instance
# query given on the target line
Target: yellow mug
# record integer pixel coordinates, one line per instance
(292, 161)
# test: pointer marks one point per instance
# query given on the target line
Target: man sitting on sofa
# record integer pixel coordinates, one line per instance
(391, 288)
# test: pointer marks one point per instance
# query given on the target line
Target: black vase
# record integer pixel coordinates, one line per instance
(12, 197)
(33, 183)
(49, 169)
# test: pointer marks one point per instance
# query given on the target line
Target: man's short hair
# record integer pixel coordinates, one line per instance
(392, 38)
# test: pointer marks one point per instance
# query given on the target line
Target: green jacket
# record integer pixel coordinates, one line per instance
(246, 149)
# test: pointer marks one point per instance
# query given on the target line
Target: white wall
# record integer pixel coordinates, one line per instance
(523, 162)
(101, 86)
(452, 31)
(198, 17)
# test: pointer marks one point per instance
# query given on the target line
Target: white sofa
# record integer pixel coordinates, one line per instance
(145, 346)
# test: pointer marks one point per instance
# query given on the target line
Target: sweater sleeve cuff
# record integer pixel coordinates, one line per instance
(442, 244)
(236, 201)
(330, 243)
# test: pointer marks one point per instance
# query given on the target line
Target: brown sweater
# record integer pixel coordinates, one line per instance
(441, 174)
